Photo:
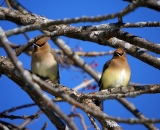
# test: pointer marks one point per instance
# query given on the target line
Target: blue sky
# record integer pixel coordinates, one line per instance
(11, 95)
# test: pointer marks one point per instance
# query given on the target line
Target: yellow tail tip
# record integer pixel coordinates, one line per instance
(57, 98)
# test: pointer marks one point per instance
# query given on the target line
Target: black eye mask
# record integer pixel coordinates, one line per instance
(37, 45)
(118, 54)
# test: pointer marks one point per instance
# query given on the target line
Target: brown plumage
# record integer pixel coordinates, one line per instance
(116, 72)
(45, 61)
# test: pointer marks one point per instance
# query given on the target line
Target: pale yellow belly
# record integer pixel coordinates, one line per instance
(115, 79)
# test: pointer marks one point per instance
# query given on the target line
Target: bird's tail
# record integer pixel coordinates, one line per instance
(99, 104)
(58, 98)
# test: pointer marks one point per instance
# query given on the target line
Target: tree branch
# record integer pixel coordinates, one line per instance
(25, 18)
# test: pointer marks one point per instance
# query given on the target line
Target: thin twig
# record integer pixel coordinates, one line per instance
(44, 126)
(17, 108)
(136, 112)
(81, 119)
(26, 122)
(93, 122)
(12, 117)
(84, 84)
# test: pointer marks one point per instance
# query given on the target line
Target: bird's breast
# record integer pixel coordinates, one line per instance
(45, 66)
(121, 79)
(117, 78)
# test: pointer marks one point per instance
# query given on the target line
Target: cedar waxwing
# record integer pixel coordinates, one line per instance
(116, 72)
(45, 61)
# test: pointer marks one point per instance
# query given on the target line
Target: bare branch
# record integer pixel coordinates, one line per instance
(140, 24)
(25, 18)
(81, 119)
(132, 39)
(15, 4)
(72, 29)
(3, 127)
(152, 4)
(9, 126)
(88, 54)
(131, 91)
(134, 51)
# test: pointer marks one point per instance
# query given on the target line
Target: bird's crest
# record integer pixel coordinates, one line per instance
(42, 41)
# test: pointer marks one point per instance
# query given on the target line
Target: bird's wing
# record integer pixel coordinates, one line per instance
(106, 65)
(55, 55)
(56, 58)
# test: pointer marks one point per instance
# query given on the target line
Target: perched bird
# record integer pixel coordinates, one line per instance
(116, 72)
(45, 61)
